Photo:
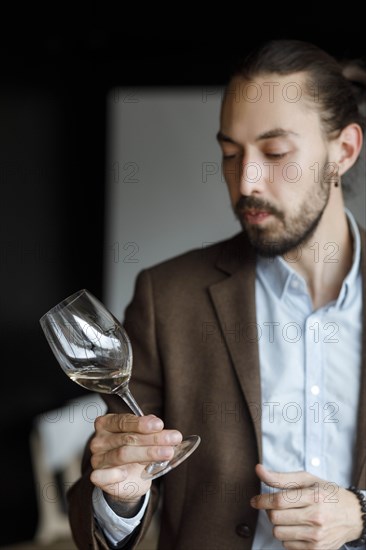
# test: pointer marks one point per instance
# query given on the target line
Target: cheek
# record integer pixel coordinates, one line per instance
(232, 183)
(290, 181)
(292, 173)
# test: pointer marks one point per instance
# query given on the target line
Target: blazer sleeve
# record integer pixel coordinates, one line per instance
(147, 388)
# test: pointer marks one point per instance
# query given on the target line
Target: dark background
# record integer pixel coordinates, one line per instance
(57, 64)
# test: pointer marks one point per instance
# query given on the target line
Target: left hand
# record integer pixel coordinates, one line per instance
(308, 513)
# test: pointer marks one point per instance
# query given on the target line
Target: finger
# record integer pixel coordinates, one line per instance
(109, 476)
(284, 480)
(292, 516)
(298, 545)
(124, 483)
(107, 442)
(128, 423)
(294, 533)
(280, 500)
(130, 454)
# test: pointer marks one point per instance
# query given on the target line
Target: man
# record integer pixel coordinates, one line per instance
(254, 343)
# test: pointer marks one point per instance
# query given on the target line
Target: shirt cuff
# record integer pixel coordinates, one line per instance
(114, 527)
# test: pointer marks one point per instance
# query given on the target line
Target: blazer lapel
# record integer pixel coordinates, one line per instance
(360, 458)
(234, 302)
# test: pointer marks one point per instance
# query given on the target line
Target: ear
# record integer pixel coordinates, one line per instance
(348, 147)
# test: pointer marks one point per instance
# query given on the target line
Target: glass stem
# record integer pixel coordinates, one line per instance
(130, 401)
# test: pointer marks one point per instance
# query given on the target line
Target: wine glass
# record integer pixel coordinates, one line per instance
(94, 350)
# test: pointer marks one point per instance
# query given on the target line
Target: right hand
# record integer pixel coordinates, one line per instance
(122, 446)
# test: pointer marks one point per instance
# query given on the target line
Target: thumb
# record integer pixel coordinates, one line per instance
(284, 480)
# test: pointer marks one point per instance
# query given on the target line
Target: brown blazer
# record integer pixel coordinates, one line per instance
(192, 327)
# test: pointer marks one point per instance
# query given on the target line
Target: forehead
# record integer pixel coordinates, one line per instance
(267, 101)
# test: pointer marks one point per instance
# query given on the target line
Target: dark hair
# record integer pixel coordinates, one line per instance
(326, 84)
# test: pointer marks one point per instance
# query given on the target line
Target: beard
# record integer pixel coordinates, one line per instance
(284, 233)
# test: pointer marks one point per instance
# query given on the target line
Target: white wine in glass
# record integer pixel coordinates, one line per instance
(93, 349)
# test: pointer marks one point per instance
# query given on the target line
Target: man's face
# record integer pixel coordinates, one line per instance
(275, 160)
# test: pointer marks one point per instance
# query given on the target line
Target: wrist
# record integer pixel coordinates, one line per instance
(361, 529)
(124, 508)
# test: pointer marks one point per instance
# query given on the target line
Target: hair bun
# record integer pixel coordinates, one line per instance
(355, 72)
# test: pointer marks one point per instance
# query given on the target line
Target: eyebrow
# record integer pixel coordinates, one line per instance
(275, 133)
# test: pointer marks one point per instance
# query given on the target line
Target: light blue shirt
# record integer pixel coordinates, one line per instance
(310, 364)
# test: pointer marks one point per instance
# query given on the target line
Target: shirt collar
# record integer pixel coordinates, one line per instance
(280, 275)
(350, 280)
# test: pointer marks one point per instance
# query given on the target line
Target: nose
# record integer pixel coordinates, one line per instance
(251, 178)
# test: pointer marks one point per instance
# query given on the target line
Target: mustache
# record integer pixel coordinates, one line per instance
(246, 203)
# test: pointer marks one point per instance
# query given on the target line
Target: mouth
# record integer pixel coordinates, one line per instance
(254, 216)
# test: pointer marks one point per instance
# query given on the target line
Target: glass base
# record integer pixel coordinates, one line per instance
(181, 452)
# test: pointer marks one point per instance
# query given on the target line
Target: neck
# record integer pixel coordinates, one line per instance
(326, 257)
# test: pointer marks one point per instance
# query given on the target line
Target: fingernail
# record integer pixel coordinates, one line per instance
(164, 452)
(173, 438)
(155, 424)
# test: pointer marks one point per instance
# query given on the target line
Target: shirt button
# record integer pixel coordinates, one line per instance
(315, 390)
(295, 284)
(315, 461)
(243, 530)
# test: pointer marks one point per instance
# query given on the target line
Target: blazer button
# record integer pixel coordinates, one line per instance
(243, 530)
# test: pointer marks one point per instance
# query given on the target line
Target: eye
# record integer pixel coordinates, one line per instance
(276, 155)
(228, 157)
(231, 153)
